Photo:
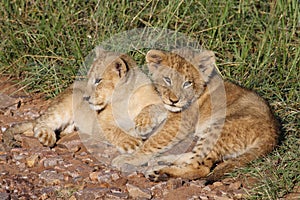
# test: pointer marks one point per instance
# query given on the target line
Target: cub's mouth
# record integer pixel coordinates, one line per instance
(172, 108)
(97, 107)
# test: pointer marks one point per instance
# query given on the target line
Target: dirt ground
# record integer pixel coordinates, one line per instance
(69, 171)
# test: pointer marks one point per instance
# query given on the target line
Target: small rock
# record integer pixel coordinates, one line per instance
(30, 142)
(173, 184)
(18, 156)
(115, 176)
(70, 141)
(222, 198)
(51, 177)
(241, 195)
(94, 176)
(202, 197)
(104, 178)
(3, 157)
(72, 198)
(195, 197)
(115, 190)
(91, 193)
(32, 160)
(116, 196)
(227, 181)
(51, 162)
(217, 184)
(44, 196)
(235, 186)
(3, 129)
(4, 196)
(207, 188)
(136, 192)
(7, 101)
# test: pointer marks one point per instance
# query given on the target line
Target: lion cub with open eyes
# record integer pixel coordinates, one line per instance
(232, 126)
(104, 106)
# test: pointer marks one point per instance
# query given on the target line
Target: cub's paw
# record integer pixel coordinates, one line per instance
(157, 173)
(45, 135)
(144, 125)
(129, 145)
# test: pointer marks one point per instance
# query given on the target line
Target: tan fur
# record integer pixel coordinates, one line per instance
(234, 127)
(92, 106)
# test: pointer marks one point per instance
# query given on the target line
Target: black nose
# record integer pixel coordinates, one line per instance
(173, 101)
(86, 98)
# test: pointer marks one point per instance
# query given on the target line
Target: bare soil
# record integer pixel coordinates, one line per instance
(69, 171)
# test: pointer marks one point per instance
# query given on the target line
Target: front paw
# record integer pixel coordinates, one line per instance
(45, 135)
(156, 173)
(144, 125)
(129, 145)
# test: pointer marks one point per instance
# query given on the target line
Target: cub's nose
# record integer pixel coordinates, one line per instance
(86, 98)
(173, 98)
(174, 101)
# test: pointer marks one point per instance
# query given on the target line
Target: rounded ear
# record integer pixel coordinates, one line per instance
(155, 56)
(130, 63)
(120, 66)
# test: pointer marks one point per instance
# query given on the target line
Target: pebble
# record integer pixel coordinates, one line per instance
(137, 193)
(3, 157)
(235, 186)
(202, 197)
(51, 177)
(115, 176)
(51, 162)
(174, 183)
(94, 176)
(222, 198)
(207, 188)
(4, 196)
(217, 184)
(32, 160)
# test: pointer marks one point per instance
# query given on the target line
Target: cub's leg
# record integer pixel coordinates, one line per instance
(176, 128)
(57, 118)
(189, 171)
(149, 119)
(208, 137)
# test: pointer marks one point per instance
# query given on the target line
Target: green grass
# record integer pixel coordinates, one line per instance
(43, 43)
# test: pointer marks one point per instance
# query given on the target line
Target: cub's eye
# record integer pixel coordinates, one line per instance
(187, 84)
(167, 80)
(98, 80)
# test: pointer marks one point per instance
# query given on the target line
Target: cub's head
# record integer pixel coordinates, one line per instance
(180, 80)
(107, 71)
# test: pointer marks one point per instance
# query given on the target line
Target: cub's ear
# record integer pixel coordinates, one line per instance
(120, 66)
(155, 56)
(206, 62)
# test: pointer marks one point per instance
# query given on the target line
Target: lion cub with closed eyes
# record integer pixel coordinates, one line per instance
(104, 106)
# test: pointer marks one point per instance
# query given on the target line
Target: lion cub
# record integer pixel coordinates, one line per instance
(103, 106)
(232, 125)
